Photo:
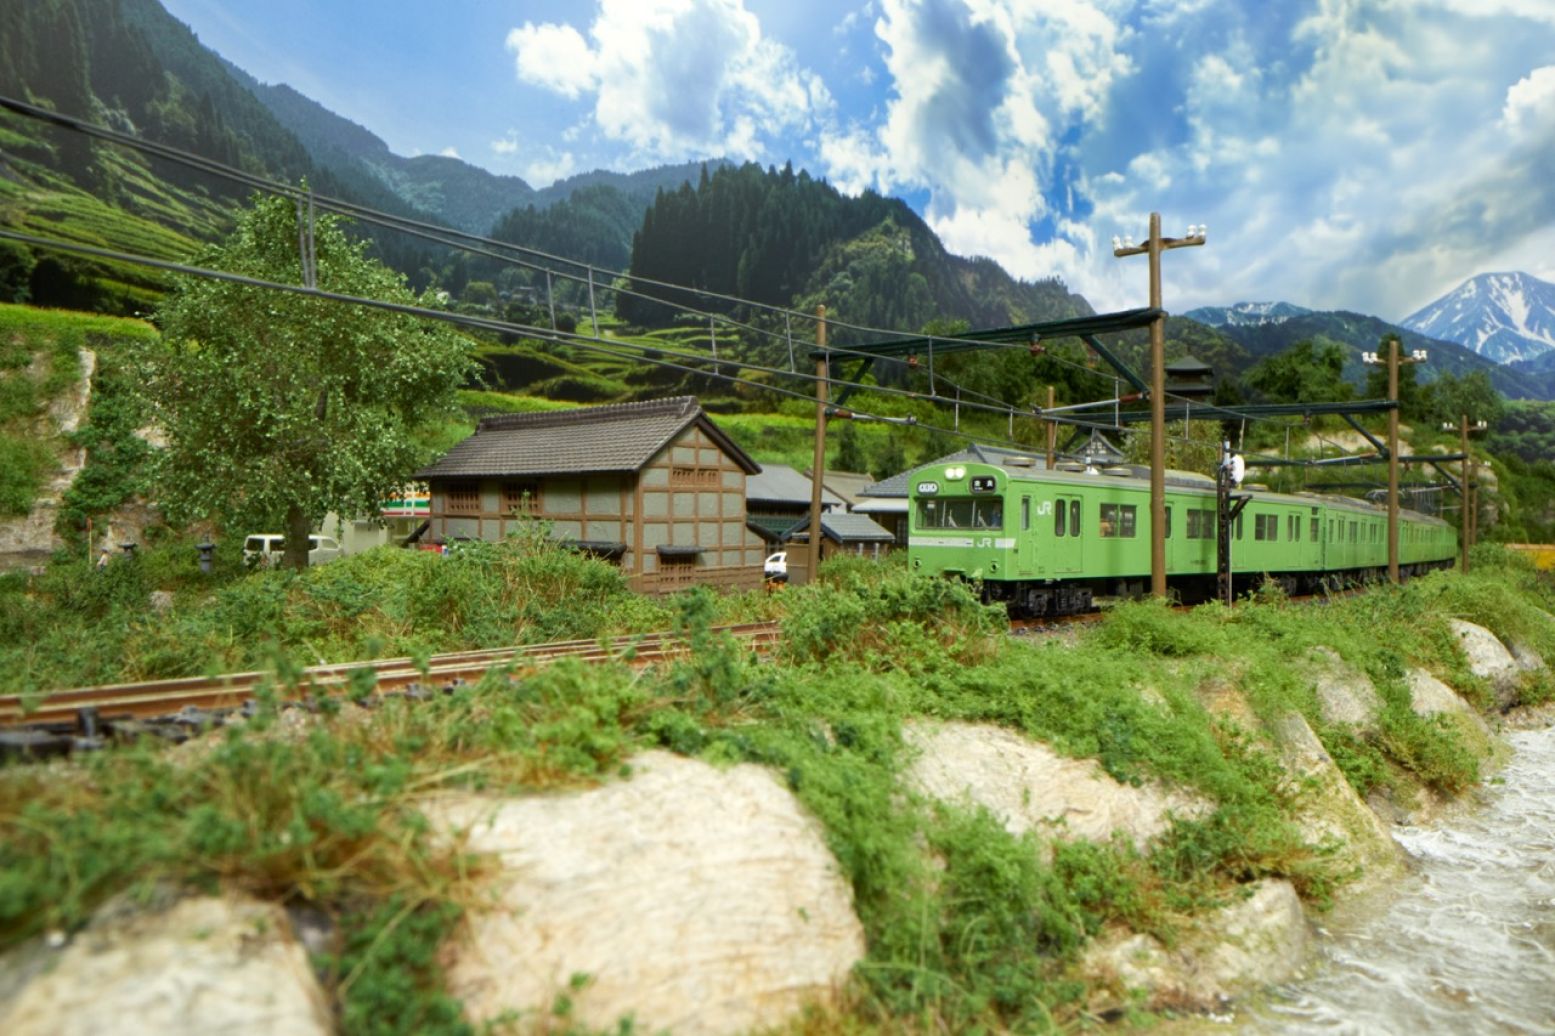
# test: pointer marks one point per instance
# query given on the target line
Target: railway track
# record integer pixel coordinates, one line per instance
(85, 717)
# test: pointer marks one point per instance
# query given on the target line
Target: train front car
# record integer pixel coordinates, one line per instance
(977, 522)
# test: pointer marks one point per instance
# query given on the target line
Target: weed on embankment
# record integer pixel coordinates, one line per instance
(968, 926)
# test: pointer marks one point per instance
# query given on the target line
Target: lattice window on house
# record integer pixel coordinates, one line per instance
(520, 498)
(464, 500)
(691, 475)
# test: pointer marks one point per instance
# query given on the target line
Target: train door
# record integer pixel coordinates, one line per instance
(1068, 538)
(1027, 538)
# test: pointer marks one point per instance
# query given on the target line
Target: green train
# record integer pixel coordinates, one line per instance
(1052, 542)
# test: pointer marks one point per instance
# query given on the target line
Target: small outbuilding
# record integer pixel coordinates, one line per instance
(655, 486)
(841, 533)
(778, 498)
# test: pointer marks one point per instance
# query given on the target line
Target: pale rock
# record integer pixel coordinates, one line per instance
(695, 899)
(1428, 696)
(30, 539)
(1528, 660)
(1327, 809)
(1030, 787)
(1257, 942)
(1489, 659)
(1344, 694)
(204, 965)
(160, 600)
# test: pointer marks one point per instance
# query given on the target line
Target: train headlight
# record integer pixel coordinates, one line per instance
(955, 473)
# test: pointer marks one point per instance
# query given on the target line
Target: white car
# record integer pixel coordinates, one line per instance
(776, 566)
(268, 548)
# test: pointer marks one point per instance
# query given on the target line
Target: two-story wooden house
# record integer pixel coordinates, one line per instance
(655, 486)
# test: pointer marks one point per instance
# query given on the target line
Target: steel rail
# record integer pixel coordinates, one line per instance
(156, 698)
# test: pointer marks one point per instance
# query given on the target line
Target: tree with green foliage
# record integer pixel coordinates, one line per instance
(1308, 372)
(1471, 394)
(850, 451)
(279, 407)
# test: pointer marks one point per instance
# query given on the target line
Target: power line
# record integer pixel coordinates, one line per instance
(616, 348)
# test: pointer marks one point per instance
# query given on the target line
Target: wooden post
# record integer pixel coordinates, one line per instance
(1157, 418)
(1393, 461)
(1052, 431)
(1463, 435)
(818, 469)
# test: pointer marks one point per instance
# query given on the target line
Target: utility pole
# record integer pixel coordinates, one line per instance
(818, 469)
(1468, 520)
(1052, 431)
(1153, 248)
(1393, 360)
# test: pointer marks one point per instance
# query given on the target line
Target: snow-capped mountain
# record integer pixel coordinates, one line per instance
(1503, 317)
(1246, 314)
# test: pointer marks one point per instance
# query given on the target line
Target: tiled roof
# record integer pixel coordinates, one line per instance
(773, 526)
(779, 483)
(618, 437)
(846, 484)
(846, 528)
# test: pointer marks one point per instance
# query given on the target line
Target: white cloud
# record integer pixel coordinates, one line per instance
(1530, 102)
(553, 56)
(449, 152)
(507, 145)
(674, 78)
(982, 92)
(546, 170)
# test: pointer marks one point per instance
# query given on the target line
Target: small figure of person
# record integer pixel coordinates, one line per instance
(102, 559)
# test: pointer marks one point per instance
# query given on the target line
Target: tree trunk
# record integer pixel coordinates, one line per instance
(297, 529)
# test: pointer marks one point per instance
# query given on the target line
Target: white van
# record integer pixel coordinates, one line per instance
(268, 548)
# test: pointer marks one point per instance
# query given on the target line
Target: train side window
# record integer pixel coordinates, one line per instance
(1238, 526)
(1025, 514)
(1168, 532)
(1074, 517)
(1058, 518)
(1314, 530)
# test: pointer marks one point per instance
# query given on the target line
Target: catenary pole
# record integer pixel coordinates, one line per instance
(818, 469)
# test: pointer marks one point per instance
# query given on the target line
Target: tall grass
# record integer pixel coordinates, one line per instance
(968, 926)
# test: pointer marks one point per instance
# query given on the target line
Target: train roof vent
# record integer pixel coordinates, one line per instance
(1020, 461)
(1118, 471)
(1071, 466)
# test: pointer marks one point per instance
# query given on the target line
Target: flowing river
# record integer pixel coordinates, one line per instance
(1464, 944)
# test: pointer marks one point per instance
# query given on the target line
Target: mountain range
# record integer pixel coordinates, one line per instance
(1505, 317)
(775, 236)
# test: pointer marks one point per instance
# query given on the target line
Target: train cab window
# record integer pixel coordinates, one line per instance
(959, 514)
(1025, 514)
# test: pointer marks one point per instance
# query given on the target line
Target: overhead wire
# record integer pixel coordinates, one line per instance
(615, 348)
(483, 246)
(452, 238)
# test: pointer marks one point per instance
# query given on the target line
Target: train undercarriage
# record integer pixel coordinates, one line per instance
(1038, 598)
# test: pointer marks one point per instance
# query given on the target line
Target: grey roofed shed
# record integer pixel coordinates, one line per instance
(620, 437)
(781, 484)
(845, 528)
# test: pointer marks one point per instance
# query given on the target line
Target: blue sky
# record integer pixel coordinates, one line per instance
(1345, 154)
